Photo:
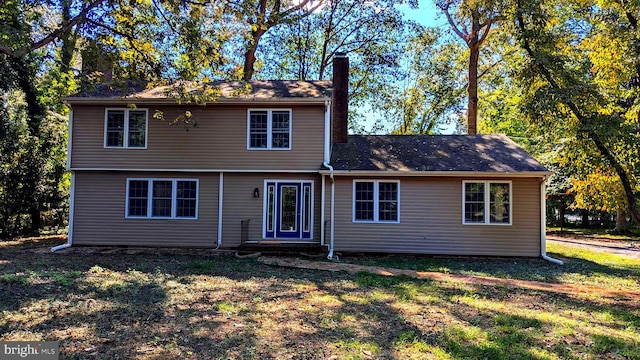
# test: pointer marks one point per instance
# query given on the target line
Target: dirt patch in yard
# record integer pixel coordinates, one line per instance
(568, 289)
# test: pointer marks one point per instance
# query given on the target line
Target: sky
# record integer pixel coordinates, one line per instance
(427, 13)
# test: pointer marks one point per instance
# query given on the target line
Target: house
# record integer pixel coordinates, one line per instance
(276, 165)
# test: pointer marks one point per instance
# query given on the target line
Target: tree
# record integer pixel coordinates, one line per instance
(21, 24)
(373, 34)
(262, 15)
(584, 67)
(471, 21)
(430, 95)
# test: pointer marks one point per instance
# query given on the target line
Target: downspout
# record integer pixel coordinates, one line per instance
(220, 198)
(332, 216)
(72, 197)
(543, 223)
(72, 190)
(325, 163)
(322, 200)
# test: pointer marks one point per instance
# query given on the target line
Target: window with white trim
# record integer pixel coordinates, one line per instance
(125, 128)
(486, 202)
(269, 129)
(376, 201)
(162, 198)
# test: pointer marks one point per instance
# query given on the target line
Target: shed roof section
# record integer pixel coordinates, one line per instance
(255, 90)
(433, 153)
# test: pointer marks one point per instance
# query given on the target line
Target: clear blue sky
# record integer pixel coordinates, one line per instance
(427, 13)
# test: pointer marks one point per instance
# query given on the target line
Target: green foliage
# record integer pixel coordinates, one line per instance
(581, 90)
(430, 95)
(20, 156)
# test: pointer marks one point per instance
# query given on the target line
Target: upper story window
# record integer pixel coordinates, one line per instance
(162, 198)
(486, 203)
(125, 128)
(376, 201)
(269, 129)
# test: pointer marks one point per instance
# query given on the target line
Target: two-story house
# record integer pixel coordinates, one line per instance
(276, 165)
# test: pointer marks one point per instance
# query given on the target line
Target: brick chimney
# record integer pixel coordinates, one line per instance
(340, 97)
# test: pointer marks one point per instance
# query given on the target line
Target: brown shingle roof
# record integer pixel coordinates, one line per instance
(442, 153)
(257, 90)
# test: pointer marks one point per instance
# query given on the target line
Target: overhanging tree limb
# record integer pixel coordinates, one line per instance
(54, 34)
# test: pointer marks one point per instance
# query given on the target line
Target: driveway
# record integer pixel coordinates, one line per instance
(623, 248)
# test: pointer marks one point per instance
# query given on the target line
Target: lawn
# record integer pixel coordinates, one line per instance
(600, 234)
(198, 305)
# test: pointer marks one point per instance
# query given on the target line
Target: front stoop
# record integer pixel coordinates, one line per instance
(277, 248)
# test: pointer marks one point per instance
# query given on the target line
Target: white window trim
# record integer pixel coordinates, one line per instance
(487, 201)
(125, 140)
(265, 204)
(269, 129)
(174, 199)
(376, 201)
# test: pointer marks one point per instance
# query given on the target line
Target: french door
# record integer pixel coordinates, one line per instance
(288, 209)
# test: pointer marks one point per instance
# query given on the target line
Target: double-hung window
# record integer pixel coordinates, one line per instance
(376, 201)
(162, 198)
(486, 202)
(269, 129)
(125, 128)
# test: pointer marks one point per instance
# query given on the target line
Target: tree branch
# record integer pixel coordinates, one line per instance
(59, 31)
(453, 24)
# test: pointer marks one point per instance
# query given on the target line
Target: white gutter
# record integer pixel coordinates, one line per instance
(208, 171)
(169, 101)
(466, 174)
(72, 196)
(220, 198)
(543, 227)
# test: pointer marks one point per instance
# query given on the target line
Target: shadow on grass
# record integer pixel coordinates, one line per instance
(512, 268)
(164, 305)
(484, 325)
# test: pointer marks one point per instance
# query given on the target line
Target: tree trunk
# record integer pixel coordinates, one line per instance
(585, 218)
(472, 90)
(561, 208)
(36, 113)
(68, 39)
(621, 220)
(250, 54)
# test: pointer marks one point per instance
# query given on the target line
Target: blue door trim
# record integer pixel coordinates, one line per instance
(274, 207)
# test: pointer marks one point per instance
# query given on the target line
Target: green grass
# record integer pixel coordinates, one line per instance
(184, 304)
(607, 234)
(581, 267)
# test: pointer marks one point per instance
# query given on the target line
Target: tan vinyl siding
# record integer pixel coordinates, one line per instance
(100, 201)
(218, 142)
(431, 221)
(239, 204)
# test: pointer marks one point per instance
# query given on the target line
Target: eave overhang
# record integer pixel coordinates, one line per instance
(174, 102)
(465, 174)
